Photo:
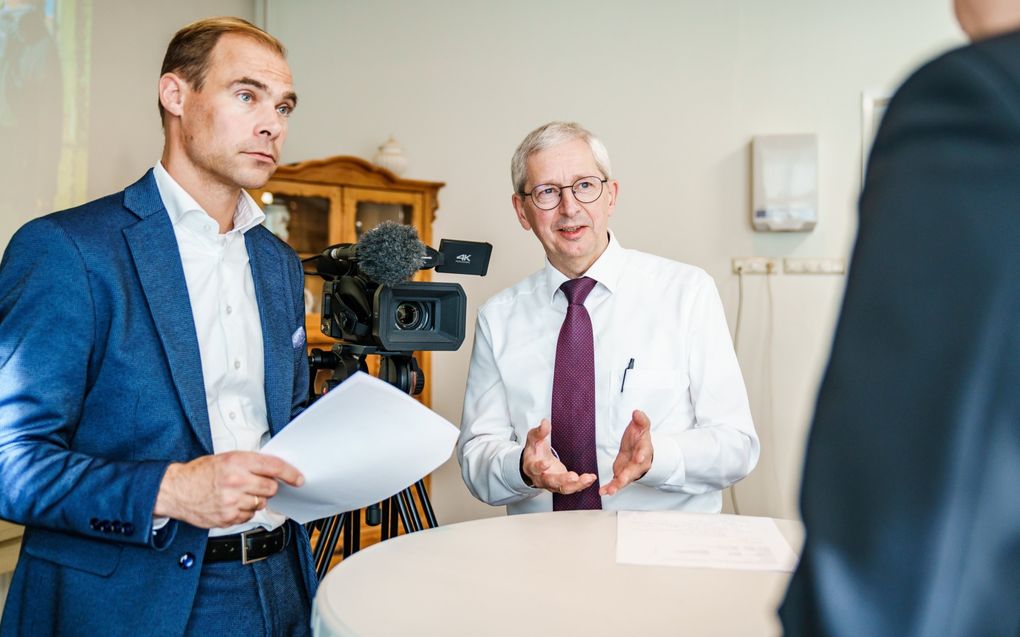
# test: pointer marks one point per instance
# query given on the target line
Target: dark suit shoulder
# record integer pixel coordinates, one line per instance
(988, 68)
(1002, 52)
(954, 113)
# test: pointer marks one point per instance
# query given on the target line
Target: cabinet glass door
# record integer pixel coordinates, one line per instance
(369, 214)
(306, 216)
(372, 207)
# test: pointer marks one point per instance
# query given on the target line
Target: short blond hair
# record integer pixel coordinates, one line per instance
(189, 50)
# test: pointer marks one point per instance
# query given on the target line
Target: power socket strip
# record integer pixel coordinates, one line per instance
(755, 265)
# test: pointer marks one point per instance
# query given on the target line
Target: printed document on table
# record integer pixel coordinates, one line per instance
(362, 442)
(701, 540)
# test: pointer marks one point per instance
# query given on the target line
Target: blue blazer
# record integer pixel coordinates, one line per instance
(909, 495)
(100, 389)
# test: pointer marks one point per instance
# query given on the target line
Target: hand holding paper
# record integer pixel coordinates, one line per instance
(359, 444)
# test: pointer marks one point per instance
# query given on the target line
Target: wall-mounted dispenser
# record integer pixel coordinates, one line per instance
(784, 176)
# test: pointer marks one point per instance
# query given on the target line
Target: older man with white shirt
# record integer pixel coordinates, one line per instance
(607, 379)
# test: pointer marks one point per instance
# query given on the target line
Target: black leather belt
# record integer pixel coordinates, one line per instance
(250, 546)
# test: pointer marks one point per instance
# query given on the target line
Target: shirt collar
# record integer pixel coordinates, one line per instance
(180, 205)
(606, 269)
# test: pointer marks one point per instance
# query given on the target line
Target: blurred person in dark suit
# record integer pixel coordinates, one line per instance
(909, 493)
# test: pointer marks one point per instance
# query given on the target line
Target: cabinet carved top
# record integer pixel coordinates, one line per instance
(353, 171)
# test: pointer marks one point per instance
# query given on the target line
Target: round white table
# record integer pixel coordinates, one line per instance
(539, 574)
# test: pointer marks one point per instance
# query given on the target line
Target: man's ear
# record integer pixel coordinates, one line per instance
(172, 89)
(613, 190)
(518, 203)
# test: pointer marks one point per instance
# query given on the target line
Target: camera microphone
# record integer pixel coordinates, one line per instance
(388, 254)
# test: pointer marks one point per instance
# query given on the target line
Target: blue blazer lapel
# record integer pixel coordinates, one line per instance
(158, 262)
(268, 270)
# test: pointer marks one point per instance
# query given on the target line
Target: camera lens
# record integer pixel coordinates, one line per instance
(412, 315)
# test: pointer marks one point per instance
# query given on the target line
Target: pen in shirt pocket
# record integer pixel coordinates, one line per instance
(630, 366)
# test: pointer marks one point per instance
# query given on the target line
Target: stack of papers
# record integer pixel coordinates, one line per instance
(361, 443)
(701, 540)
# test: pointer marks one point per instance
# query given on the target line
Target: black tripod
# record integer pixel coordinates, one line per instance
(398, 509)
(401, 370)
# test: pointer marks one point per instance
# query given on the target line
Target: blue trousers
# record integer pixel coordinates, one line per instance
(262, 599)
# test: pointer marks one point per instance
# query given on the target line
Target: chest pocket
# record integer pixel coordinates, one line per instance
(662, 393)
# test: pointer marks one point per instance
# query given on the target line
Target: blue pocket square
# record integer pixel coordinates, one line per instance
(297, 339)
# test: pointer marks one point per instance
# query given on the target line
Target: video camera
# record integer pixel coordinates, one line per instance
(371, 308)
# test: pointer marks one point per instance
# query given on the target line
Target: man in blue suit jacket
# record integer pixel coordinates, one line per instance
(910, 488)
(129, 423)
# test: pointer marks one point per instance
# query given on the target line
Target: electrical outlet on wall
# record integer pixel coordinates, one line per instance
(755, 265)
(802, 265)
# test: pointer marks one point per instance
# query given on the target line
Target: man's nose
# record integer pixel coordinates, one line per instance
(272, 124)
(568, 202)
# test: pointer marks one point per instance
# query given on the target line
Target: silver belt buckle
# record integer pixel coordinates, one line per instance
(244, 546)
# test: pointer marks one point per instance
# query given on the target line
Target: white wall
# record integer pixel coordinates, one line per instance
(676, 90)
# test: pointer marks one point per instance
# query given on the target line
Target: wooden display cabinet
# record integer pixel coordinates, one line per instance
(315, 204)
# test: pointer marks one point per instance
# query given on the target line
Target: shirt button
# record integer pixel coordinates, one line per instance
(229, 309)
(237, 364)
(232, 415)
(186, 561)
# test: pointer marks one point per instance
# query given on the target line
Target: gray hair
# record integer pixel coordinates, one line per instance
(554, 134)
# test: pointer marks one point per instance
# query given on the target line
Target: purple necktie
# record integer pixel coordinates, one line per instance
(573, 397)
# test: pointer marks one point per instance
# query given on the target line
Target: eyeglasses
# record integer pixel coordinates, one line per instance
(585, 189)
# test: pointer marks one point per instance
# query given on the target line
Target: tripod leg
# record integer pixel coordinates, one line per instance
(352, 533)
(426, 504)
(317, 548)
(338, 528)
(347, 534)
(329, 532)
(393, 504)
(324, 527)
(384, 524)
(386, 528)
(408, 512)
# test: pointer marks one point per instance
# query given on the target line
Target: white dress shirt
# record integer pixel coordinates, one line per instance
(668, 318)
(228, 324)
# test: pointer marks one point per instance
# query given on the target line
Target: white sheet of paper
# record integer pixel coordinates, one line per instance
(701, 540)
(362, 442)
